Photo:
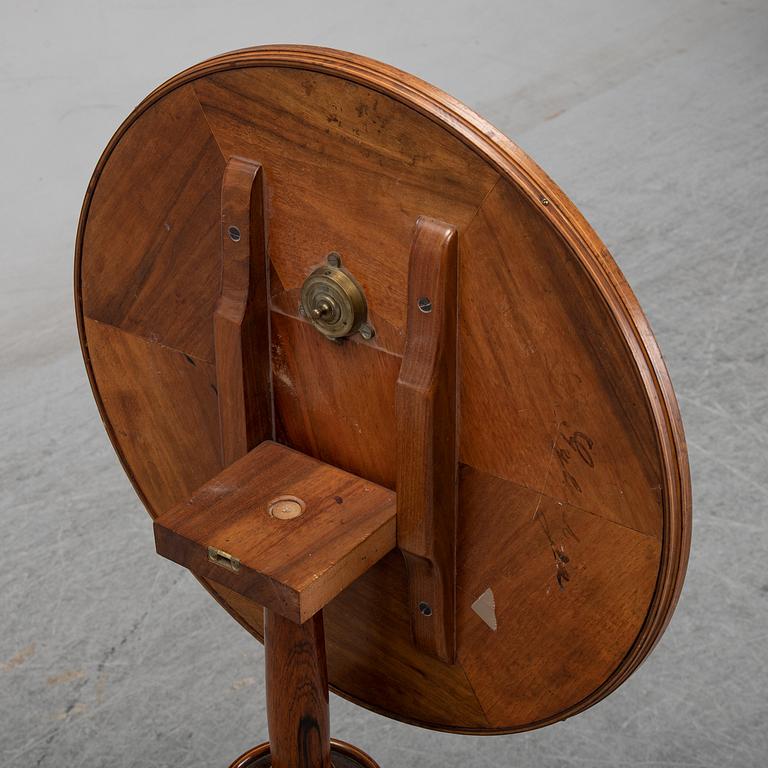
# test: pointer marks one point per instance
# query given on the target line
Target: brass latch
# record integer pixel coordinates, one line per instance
(224, 559)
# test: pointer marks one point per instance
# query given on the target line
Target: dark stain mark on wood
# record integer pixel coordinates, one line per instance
(309, 737)
(579, 444)
(558, 550)
(566, 447)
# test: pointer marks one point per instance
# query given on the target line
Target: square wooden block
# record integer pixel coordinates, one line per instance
(282, 529)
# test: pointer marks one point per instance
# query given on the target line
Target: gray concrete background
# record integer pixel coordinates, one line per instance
(654, 118)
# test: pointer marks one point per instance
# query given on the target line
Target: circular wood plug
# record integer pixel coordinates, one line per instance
(286, 507)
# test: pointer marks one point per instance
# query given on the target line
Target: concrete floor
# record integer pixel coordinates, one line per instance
(652, 115)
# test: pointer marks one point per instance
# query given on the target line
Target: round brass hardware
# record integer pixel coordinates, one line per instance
(286, 507)
(333, 301)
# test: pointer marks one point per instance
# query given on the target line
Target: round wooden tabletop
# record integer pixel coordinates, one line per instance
(574, 503)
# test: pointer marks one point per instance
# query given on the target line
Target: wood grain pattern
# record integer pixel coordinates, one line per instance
(153, 237)
(297, 692)
(555, 355)
(428, 690)
(293, 567)
(427, 457)
(331, 399)
(565, 609)
(550, 371)
(157, 397)
(241, 319)
(349, 170)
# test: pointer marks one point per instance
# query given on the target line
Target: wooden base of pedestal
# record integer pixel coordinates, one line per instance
(343, 755)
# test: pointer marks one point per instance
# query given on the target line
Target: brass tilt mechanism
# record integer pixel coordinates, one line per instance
(334, 301)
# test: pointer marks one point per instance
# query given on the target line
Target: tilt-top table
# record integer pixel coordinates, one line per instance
(385, 394)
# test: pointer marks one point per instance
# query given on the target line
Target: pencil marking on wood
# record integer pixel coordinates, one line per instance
(558, 550)
(581, 445)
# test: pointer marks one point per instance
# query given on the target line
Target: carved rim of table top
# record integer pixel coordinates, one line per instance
(514, 164)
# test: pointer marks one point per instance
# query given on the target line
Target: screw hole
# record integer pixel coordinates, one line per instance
(367, 332)
(234, 234)
(425, 304)
(425, 609)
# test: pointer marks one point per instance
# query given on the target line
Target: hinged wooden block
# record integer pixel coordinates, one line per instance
(281, 528)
